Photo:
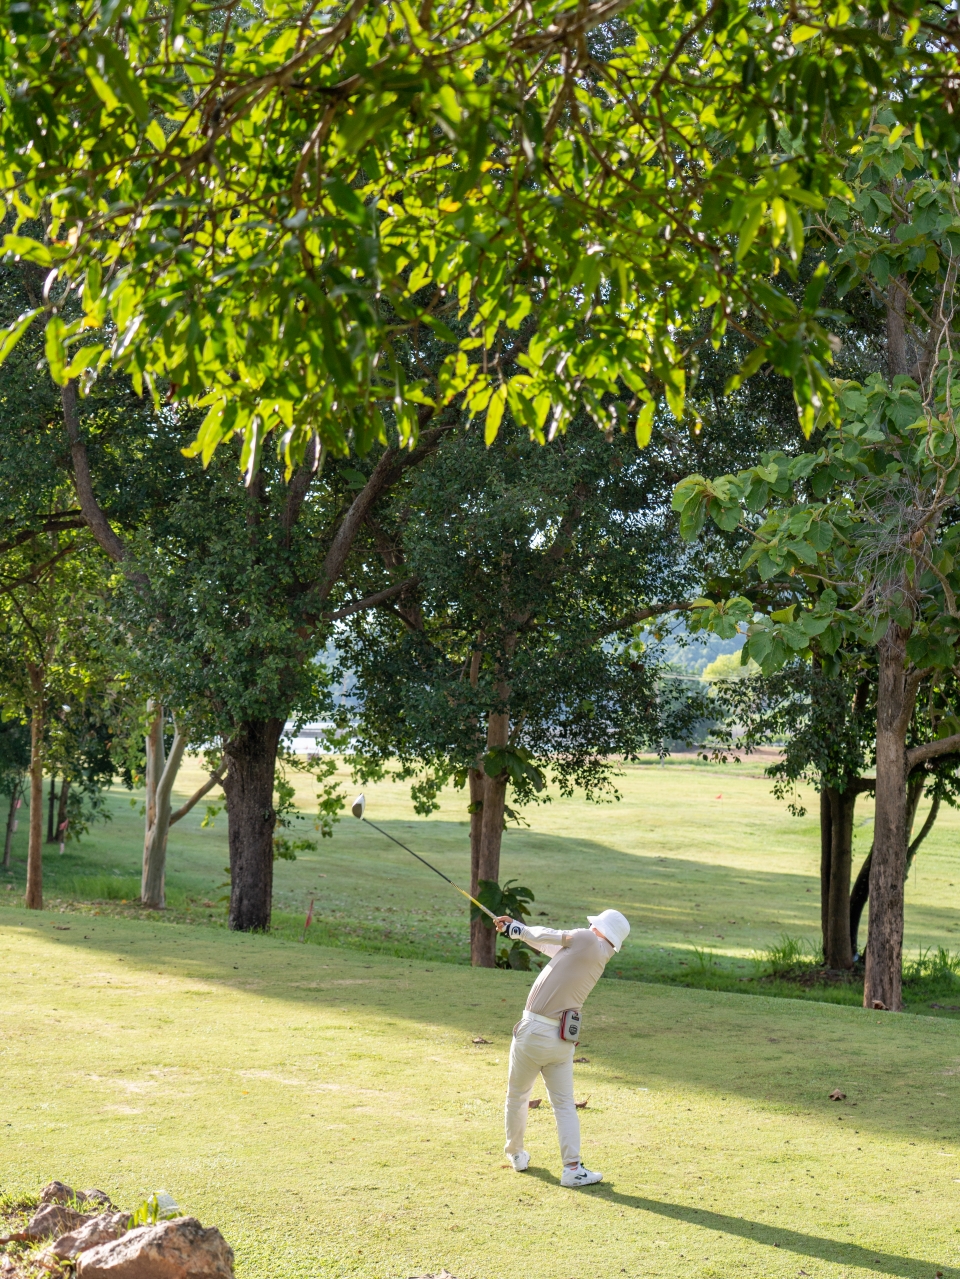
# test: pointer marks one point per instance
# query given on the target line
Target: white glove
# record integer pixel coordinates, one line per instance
(514, 930)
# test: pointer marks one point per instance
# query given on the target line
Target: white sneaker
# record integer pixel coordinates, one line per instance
(520, 1161)
(580, 1176)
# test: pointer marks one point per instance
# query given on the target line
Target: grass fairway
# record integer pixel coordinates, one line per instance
(328, 1110)
(706, 864)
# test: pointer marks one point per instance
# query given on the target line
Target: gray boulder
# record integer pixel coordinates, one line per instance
(176, 1249)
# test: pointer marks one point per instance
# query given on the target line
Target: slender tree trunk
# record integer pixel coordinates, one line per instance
(477, 930)
(825, 849)
(62, 811)
(34, 894)
(161, 774)
(858, 899)
(925, 830)
(51, 808)
(837, 945)
(491, 836)
(860, 892)
(11, 821)
(896, 695)
(251, 818)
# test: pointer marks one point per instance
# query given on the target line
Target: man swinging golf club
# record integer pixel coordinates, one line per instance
(545, 1038)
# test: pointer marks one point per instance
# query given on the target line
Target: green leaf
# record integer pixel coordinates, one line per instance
(11, 335)
(495, 409)
(749, 228)
(644, 426)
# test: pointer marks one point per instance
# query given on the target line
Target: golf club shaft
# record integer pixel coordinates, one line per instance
(479, 905)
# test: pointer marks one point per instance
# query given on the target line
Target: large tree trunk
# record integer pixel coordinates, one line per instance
(252, 755)
(896, 695)
(34, 893)
(837, 854)
(477, 930)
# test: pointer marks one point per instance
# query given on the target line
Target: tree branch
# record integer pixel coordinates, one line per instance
(641, 615)
(55, 524)
(215, 779)
(925, 830)
(298, 487)
(388, 470)
(93, 513)
(358, 606)
(932, 750)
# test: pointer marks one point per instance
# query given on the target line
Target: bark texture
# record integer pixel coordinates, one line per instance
(34, 893)
(896, 695)
(251, 818)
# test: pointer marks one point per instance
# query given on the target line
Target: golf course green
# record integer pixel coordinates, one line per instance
(333, 1108)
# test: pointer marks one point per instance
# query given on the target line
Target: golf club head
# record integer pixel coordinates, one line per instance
(358, 805)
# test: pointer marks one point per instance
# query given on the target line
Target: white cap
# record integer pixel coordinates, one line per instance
(613, 925)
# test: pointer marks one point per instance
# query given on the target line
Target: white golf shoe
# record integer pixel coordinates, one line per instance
(520, 1161)
(574, 1178)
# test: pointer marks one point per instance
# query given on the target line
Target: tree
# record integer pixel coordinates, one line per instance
(332, 186)
(500, 664)
(51, 650)
(14, 765)
(858, 538)
(869, 561)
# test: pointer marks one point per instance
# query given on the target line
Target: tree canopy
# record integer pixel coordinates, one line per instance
(261, 205)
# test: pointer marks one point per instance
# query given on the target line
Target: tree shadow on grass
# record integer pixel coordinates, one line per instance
(831, 1250)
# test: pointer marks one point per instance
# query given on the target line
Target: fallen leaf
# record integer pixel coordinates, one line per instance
(582, 1105)
(837, 1095)
(480, 1040)
(534, 1102)
(577, 1060)
(62, 928)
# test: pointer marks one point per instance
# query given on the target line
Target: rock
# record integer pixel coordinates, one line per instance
(103, 1229)
(54, 1219)
(177, 1249)
(95, 1196)
(57, 1192)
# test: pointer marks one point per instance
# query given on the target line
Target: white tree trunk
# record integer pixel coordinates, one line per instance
(161, 775)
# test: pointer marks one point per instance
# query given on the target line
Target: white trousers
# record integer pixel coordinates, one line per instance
(537, 1049)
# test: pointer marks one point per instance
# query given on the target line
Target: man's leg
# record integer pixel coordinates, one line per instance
(524, 1068)
(558, 1076)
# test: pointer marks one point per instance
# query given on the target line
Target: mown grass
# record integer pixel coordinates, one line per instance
(331, 1111)
(709, 867)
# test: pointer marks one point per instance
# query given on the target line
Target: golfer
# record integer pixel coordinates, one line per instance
(578, 959)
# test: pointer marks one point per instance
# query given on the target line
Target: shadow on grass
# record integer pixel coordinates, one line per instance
(831, 1250)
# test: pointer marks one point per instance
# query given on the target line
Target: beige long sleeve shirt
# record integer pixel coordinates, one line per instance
(578, 960)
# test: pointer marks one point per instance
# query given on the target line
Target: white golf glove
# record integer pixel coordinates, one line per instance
(514, 930)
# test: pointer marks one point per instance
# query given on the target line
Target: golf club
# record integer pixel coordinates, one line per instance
(358, 807)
